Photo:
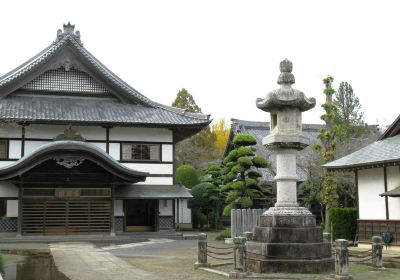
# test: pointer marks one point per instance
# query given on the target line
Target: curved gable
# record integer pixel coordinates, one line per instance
(71, 154)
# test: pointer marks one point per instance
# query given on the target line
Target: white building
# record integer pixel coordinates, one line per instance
(377, 173)
(81, 151)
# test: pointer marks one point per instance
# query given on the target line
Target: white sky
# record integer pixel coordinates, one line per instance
(225, 53)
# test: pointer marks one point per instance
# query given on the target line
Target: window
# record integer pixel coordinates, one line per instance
(3, 149)
(141, 152)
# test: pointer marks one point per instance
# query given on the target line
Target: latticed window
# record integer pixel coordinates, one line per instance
(3, 149)
(66, 81)
(141, 152)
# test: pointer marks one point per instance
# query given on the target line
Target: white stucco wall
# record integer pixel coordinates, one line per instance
(12, 208)
(165, 207)
(30, 146)
(393, 181)
(167, 152)
(152, 168)
(14, 149)
(102, 146)
(4, 163)
(157, 181)
(140, 134)
(118, 208)
(370, 185)
(115, 150)
(185, 214)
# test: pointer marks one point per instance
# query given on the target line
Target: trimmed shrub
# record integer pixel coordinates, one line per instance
(226, 233)
(344, 223)
(198, 200)
(244, 140)
(187, 175)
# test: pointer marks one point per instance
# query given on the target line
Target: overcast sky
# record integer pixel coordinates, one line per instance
(225, 53)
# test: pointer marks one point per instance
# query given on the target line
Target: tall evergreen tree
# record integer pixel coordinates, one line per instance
(328, 140)
(185, 100)
(349, 115)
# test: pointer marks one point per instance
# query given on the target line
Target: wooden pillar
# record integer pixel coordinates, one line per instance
(177, 211)
(20, 192)
(357, 194)
(112, 216)
(386, 189)
(173, 213)
(107, 138)
(22, 140)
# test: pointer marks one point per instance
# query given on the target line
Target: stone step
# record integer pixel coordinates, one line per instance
(290, 235)
(289, 250)
(325, 265)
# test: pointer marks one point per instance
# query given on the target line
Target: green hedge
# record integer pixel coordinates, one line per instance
(343, 223)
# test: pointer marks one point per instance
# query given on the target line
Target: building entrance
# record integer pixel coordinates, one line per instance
(140, 214)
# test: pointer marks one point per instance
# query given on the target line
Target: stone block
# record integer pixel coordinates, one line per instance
(289, 235)
(289, 250)
(326, 265)
(287, 221)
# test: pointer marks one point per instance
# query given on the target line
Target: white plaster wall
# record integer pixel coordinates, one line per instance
(31, 146)
(393, 181)
(118, 208)
(165, 207)
(12, 208)
(10, 131)
(152, 168)
(167, 152)
(114, 150)
(186, 213)
(140, 134)
(14, 149)
(102, 146)
(370, 185)
(5, 163)
(8, 189)
(42, 131)
(157, 181)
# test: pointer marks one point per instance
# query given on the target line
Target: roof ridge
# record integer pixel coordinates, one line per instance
(69, 36)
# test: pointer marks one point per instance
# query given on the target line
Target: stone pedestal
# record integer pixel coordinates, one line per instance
(288, 241)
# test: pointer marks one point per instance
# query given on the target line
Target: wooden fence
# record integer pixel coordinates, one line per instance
(243, 220)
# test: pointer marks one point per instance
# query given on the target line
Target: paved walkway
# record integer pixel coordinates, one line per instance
(83, 261)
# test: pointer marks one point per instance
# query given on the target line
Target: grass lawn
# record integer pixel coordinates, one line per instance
(364, 272)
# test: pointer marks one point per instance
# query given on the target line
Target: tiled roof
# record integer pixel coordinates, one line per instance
(41, 108)
(380, 152)
(134, 107)
(261, 129)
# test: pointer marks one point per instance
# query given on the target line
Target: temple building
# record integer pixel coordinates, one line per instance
(82, 152)
(377, 176)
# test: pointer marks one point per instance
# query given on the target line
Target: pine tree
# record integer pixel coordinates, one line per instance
(240, 174)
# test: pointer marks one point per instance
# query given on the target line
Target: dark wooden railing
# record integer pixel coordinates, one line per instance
(368, 228)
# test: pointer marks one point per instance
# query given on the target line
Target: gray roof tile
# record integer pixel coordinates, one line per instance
(90, 110)
(379, 152)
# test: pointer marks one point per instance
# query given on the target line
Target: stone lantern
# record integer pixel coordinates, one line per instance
(287, 239)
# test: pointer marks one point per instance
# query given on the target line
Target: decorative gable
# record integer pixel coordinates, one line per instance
(66, 80)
